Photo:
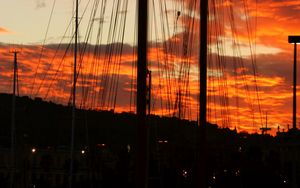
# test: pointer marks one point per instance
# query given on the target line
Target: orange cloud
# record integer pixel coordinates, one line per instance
(3, 30)
(250, 67)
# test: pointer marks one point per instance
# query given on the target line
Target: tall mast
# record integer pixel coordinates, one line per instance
(74, 97)
(203, 93)
(142, 150)
(13, 124)
(295, 88)
(294, 40)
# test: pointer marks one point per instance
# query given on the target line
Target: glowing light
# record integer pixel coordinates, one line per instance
(184, 173)
(128, 148)
(101, 145)
(82, 152)
(33, 150)
(163, 141)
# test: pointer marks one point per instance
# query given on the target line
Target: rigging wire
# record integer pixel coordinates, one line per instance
(42, 48)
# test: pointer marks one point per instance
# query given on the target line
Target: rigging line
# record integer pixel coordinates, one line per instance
(112, 53)
(51, 63)
(179, 73)
(214, 60)
(168, 62)
(56, 72)
(235, 63)
(109, 53)
(149, 63)
(226, 91)
(253, 61)
(84, 62)
(119, 36)
(97, 53)
(43, 47)
(121, 50)
(165, 59)
(189, 45)
(237, 51)
(86, 47)
(222, 94)
(218, 64)
(157, 55)
(66, 51)
(92, 70)
(191, 14)
(177, 90)
(133, 67)
(106, 66)
(56, 52)
(190, 38)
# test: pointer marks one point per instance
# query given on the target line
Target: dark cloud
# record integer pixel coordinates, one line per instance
(40, 4)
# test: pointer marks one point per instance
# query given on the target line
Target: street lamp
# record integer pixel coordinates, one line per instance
(294, 40)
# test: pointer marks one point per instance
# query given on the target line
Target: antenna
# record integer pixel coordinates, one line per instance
(264, 130)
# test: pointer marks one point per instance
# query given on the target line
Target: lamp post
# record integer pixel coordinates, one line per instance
(294, 40)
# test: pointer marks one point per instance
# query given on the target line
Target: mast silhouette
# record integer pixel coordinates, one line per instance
(13, 123)
(74, 98)
(202, 153)
(142, 129)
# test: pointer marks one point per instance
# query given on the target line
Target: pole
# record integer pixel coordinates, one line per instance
(203, 94)
(74, 99)
(13, 123)
(142, 143)
(295, 88)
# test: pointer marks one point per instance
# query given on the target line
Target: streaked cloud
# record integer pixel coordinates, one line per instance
(4, 30)
(250, 66)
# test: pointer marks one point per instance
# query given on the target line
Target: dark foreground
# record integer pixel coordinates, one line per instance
(105, 153)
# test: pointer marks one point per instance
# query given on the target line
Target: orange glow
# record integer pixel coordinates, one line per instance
(4, 31)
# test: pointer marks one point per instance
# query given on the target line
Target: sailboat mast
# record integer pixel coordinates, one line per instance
(203, 93)
(13, 124)
(74, 97)
(142, 140)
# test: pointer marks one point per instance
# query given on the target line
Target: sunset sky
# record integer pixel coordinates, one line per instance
(247, 38)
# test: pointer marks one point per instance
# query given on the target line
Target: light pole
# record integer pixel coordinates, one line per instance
(294, 40)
